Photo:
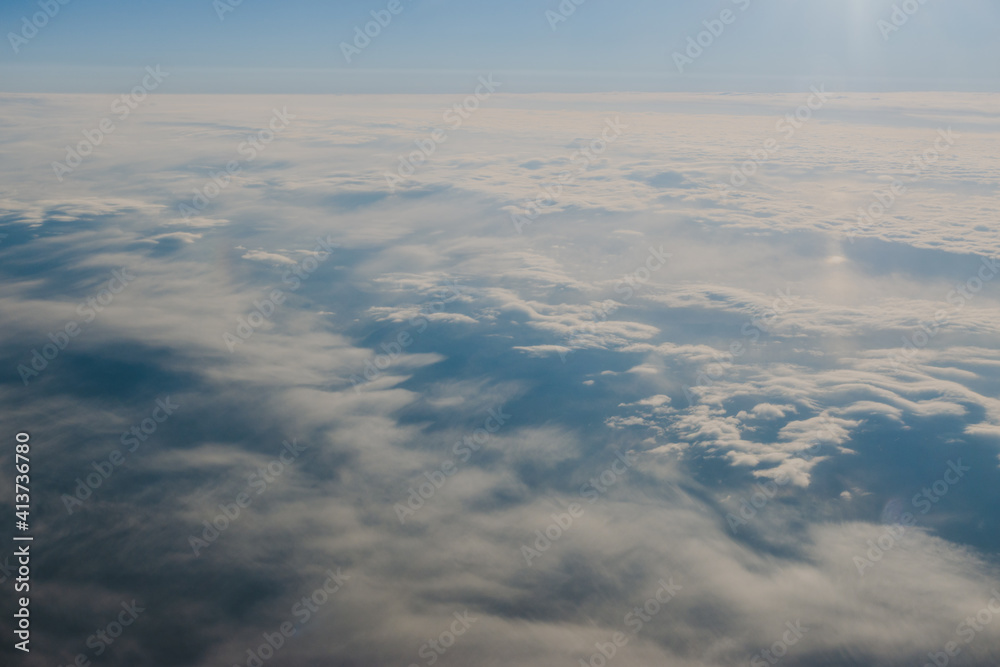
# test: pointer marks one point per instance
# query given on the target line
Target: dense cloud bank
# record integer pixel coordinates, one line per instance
(624, 379)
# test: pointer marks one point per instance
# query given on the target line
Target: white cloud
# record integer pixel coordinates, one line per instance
(748, 357)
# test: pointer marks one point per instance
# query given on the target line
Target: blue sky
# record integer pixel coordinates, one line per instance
(434, 45)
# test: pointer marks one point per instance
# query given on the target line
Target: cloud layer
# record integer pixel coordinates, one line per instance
(526, 383)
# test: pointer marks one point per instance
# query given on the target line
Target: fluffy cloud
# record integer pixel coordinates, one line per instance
(654, 380)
